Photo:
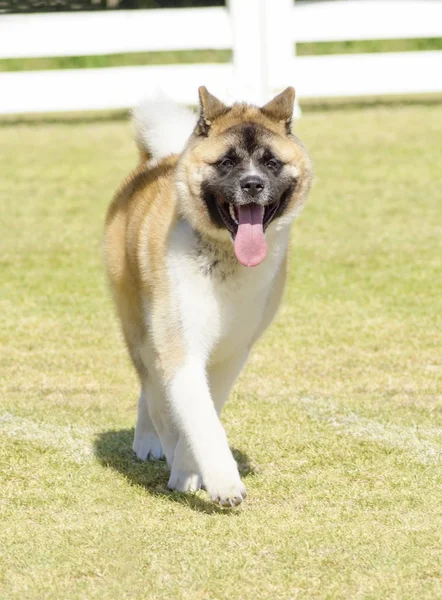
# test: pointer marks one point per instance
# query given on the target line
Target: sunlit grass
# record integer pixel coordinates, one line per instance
(171, 57)
(336, 422)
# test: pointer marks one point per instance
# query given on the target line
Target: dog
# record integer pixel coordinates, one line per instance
(195, 248)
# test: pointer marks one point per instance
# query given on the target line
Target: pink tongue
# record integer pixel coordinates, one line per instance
(250, 244)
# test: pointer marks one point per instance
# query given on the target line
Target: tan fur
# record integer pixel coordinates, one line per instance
(144, 211)
(137, 225)
(190, 311)
(196, 163)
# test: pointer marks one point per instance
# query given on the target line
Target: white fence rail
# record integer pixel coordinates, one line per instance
(261, 33)
(84, 34)
(367, 20)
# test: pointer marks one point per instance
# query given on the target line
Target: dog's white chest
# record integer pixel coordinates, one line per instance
(221, 309)
(239, 307)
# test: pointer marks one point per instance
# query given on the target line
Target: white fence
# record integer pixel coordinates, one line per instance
(262, 34)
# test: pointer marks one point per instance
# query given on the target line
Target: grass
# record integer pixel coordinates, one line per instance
(166, 57)
(336, 421)
(369, 46)
(210, 56)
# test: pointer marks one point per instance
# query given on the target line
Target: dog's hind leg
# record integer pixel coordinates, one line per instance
(185, 475)
(222, 376)
(158, 416)
(146, 441)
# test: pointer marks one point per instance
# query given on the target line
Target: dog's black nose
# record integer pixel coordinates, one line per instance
(252, 185)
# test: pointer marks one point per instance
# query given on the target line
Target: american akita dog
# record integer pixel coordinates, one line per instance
(196, 243)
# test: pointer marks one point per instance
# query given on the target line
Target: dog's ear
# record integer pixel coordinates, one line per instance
(210, 109)
(280, 109)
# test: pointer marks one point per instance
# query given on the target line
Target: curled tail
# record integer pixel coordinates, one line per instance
(162, 127)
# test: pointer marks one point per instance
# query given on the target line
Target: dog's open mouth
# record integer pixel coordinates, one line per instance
(247, 224)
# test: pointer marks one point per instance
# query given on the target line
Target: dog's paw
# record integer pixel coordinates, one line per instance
(183, 481)
(226, 491)
(148, 446)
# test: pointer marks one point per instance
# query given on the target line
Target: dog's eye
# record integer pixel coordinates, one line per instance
(272, 164)
(227, 163)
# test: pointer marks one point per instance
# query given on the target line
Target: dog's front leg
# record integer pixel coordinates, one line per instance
(202, 447)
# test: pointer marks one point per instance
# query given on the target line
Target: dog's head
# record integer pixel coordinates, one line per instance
(243, 171)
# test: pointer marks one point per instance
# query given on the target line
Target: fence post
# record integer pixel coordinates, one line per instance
(250, 81)
(263, 48)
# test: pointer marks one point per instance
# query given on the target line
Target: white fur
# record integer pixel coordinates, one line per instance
(146, 442)
(162, 127)
(220, 319)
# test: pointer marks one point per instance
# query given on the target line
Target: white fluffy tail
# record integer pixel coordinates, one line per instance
(162, 127)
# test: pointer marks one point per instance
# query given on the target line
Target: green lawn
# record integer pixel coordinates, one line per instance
(336, 422)
(211, 56)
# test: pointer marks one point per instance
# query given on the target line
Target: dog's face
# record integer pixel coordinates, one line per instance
(243, 172)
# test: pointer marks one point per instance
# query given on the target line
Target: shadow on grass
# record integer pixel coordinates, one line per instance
(114, 449)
